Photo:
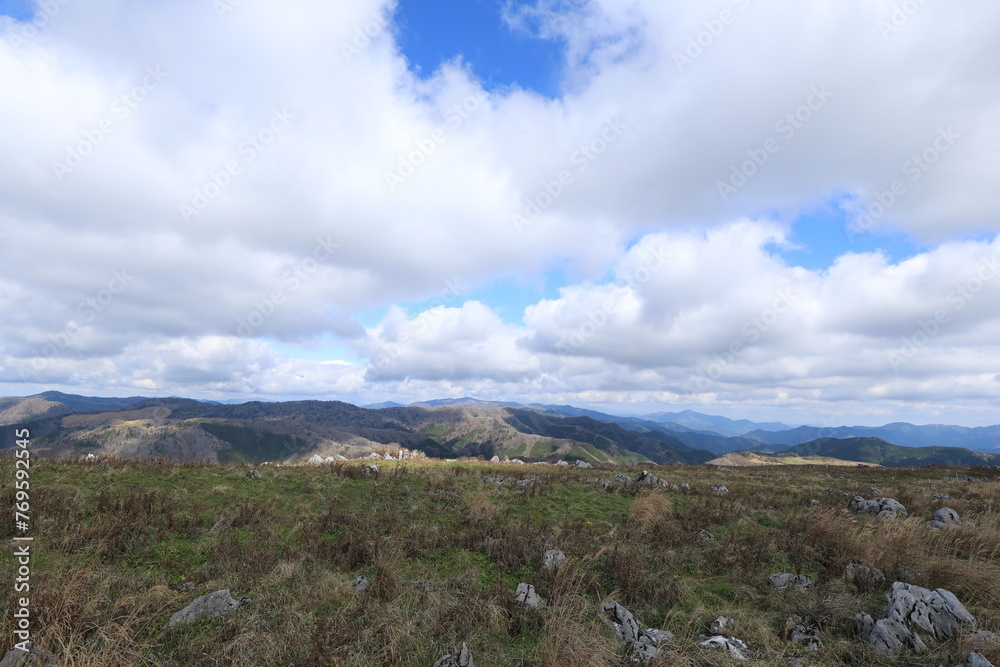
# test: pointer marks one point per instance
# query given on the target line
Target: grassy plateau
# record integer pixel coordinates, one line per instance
(113, 538)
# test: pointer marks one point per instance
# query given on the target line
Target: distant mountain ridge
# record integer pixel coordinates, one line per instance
(876, 450)
(662, 435)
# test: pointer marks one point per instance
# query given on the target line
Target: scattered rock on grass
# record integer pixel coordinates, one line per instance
(526, 595)
(461, 659)
(360, 585)
(936, 612)
(370, 471)
(35, 656)
(804, 632)
(886, 508)
(642, 644)
(887, 636)
(186, 587)
(315, 458)
(553, 559)
(721, 625)
(864, 577)
(720, 490)
(734, 647)
(786, 580)
(211, 605)
(976, 660)
(943, 517)
(583, 464)
(705, 536)
(252, 474)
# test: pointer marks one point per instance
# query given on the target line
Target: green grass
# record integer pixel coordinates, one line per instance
(113, 536)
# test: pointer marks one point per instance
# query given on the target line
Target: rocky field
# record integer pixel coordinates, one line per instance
(424, 562)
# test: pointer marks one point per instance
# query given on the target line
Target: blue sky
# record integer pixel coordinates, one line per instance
(636, 288)
(474, 30)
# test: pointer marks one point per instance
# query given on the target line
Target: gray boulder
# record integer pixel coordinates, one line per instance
(786, 580)
(461, 659)
(553, 559)
(720, 489)
(646, 478)
(252, 474)
(887, 636)
(937, 612)
(864, 577)
(339, 457)
(583, 464)
(35, 656)
(946, 515)
(211, 605)
(641, 644)
(526, 595)
(705, 536)
(622, 479)
(370, 471)
(527, 482)
(360, 585)
(315, 458)
(561, 462)
(976, 660)
(803, 632)
(734, 647)
(886, 508)
(721, 625)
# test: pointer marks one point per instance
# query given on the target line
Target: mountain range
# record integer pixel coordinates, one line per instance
(66, 424)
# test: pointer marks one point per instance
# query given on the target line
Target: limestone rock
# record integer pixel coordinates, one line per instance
(528, 482)
(976, 660)
(35, 656)
(720, 490)
(526, 595)
(252, 474)
(315, 458)
(370, 471)
(887, 636)
(583, 464)
(705, 536)
(946, 515)
(561, 462)
(734, 647)
(340, 457)
(720, 625)
(938, 612)
(553, 559)
(864, 577)
(360, 585)
(803, 632)
(461, 659)
(211, 605)
(786, 580)
(642, 644)
(888, 508)
(186, 587)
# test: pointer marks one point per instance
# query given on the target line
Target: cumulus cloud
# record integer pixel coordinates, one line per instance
(172, 208)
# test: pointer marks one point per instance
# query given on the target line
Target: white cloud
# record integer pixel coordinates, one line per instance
(356, 113)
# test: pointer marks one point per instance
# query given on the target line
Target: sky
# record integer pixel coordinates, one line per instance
(777, 211)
